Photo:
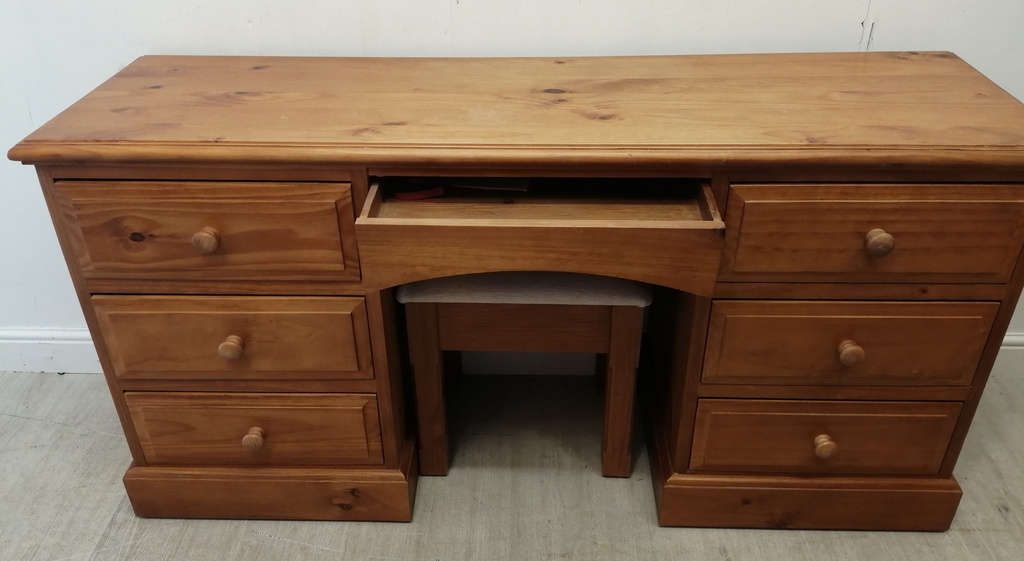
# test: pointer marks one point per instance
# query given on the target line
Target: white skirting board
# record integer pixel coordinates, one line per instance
(71, 350)
(47, 350)
(1014, 340)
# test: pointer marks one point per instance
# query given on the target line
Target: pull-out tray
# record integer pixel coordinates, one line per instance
(665, 232)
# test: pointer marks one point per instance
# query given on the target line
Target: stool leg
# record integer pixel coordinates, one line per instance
(620, 391)
(428, 381)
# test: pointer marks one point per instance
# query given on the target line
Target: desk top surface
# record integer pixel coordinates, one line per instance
(907, 108)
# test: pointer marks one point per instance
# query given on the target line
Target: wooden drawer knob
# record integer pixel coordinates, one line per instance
(206, 241)
(879, 243)
(253, 440)
(824, 448)
(850, 353)
(231, 348)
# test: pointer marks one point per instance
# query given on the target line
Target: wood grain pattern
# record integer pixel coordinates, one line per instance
(805, 503)
(393, 255)
(823, 163)
(254, 172)
(389, 366)
(275, 492)
(834, 391)
(911, 108)
(79, 502)
(859, 291)
(627, 326)
(192, 428)
(797, 342)
(178, 337)
(691, 331)
(762, 436)
(428, 384)
(579, 200)
(680, 254)
(226, 287)
(988, 359)
(147, 229)
(943, 233)
(275, 384)
(796, 502)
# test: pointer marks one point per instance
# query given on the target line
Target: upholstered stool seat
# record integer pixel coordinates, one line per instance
(528, 312)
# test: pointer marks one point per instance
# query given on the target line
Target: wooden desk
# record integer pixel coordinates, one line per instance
(838, 239)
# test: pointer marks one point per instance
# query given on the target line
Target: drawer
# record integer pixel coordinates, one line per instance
(272, 493)
(874, 233)
(214, 230)
(182, 428)
(235, 338)
(822, 437)
(664, 232)
(848, 343)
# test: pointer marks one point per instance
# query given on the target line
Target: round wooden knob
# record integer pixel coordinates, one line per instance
(253, 440)
(824, 448)
(850, 353)
(206, 241)
(231, 348)
(879, 243)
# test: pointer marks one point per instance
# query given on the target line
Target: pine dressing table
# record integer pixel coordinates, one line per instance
(835, 239)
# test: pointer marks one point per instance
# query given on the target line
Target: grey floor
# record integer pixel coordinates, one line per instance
(525, 485)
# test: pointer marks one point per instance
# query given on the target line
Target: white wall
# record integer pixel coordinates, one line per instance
(54, 51)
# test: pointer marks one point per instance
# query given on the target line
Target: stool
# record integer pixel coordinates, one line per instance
(526, 312)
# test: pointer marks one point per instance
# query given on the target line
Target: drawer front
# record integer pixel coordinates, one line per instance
(182, 428)
(847, 343)
(270, 493)
(874, 233)
(821, 437)
(672, 237)
(194, 230)
(235, 338)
